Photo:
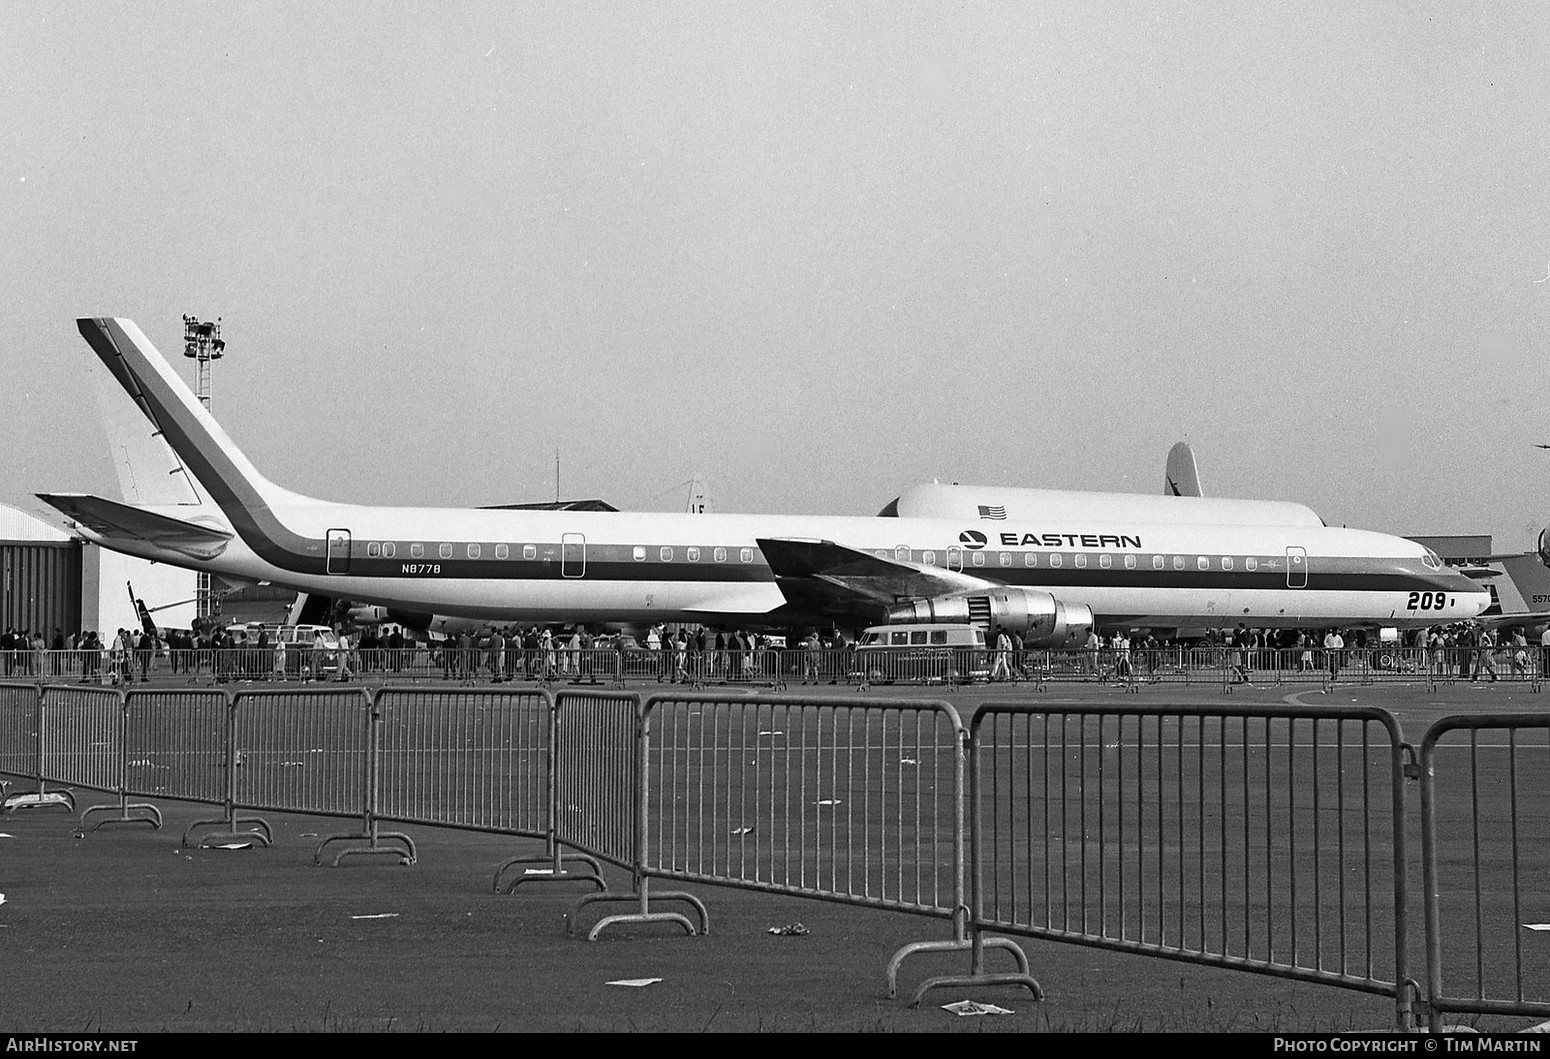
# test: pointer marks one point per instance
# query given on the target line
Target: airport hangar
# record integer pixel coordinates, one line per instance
(51, 580)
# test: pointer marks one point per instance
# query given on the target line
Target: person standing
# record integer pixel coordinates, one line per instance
(1000, 667)
(1334, 644)
(497, 656)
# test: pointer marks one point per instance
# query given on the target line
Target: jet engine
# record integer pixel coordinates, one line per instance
(1544, 546)
(1040, 618)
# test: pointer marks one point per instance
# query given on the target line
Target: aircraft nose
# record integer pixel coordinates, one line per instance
(1471, 597)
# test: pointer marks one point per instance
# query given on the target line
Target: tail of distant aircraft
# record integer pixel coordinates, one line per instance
(1182, 477)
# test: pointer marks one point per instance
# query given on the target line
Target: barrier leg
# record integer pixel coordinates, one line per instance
(976, 943)
(237, 829)
(128, 813)
(643, 913)
(375, 847)
(555, 870)
(39, 799)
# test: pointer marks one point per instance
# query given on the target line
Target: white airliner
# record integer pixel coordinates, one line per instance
(1050, 575)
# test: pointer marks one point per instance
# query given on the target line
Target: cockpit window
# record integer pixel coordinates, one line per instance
(1431, 560)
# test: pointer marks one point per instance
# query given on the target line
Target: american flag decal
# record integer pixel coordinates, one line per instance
(987, 511)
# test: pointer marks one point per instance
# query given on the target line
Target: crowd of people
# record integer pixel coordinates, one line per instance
(1464, 651)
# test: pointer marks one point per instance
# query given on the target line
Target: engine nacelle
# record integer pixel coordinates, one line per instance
(1544, 546)
(1040, 618)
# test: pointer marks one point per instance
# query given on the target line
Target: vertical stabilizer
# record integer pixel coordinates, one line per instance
(149, 472)
(1181, 477)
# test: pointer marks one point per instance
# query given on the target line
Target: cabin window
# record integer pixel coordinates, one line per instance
(1178, 562)
(938, 636)
(530, 551)
(1157, 562)
(638, 553)
(417, 551)
(1203, 562)
(746, 555)
(373, 549)
(692, 554)
(1031, 559)
(1056, 559)
(720, 555)
(1130, 562)
(1006, 558)
(918, 638)
(1081, 561)
(1226, 562)
(1251, 563)
(445, 551)
(901, 639)
(1105, 561)
(901, 552)
(474, 551)
(667, 555)
(503, 551)
(929, 558)
(388, 548)
(979, 558)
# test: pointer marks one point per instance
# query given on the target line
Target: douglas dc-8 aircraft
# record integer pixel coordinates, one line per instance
(1050, 576)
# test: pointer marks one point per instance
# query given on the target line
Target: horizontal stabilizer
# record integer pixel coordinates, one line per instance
(861, 573)
(114, 521)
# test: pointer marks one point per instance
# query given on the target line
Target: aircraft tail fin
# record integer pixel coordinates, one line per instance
(198, 443)
(1182, 476)
(149, 472)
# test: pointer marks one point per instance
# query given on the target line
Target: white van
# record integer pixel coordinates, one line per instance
(931, 651)
(300, 646)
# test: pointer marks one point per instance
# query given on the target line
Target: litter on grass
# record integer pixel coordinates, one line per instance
(790, 930)
(969, 1007)
(1537, 926)
(379, 915)
(635, 983)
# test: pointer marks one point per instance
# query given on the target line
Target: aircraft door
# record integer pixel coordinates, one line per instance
(954, 557)
(573, 554)
(1296, 568)
(338, 551)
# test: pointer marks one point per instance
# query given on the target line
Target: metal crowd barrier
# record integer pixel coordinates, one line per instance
(21, 748)
(476, 760)
(847, 801)
(1270, 842)
(599, 809)
(314, 751)
(1485, 794)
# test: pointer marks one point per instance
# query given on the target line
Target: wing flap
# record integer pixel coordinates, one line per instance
(853, 573)
(112, 520)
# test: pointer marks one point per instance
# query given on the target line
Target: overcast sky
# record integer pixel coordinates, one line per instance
(815, 252)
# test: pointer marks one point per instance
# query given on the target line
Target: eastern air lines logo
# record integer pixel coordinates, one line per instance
(972, 539)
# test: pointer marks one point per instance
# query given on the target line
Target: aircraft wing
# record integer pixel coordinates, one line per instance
(112, 520)
(1503, 621)
(848, 576)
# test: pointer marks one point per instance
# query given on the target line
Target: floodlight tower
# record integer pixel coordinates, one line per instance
(202, 344)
